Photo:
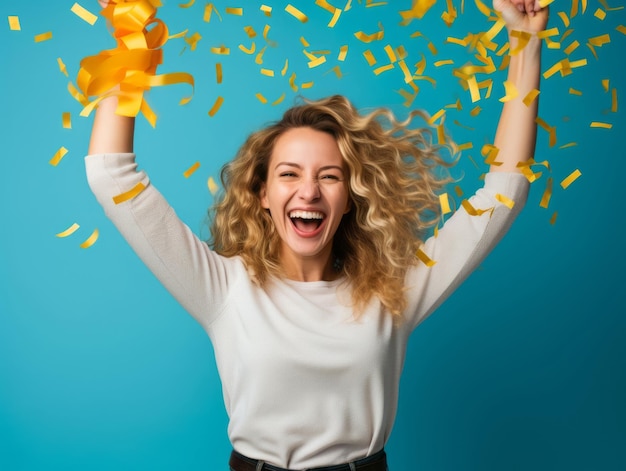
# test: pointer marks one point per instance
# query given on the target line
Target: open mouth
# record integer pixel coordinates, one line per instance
(306, 221)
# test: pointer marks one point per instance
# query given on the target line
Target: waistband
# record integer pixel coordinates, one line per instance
(375, 462)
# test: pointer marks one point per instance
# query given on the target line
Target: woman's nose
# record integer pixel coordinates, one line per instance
(309, 189)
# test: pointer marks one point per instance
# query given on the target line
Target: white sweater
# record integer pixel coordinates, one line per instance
(304, 384)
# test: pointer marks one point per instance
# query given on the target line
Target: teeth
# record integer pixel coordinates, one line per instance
(306, 215)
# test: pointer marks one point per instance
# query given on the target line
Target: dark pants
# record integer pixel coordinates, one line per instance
(375, 462)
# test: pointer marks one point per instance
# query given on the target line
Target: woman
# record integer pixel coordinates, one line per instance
(312, 288)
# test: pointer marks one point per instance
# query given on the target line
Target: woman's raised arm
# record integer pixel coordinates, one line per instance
(517, 130)
(111, 133)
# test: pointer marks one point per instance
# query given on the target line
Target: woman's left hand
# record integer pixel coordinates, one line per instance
(522, 15)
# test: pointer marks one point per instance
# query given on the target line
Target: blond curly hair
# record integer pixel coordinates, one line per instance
(395, 175)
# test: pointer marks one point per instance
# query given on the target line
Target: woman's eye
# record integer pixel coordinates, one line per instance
(287, 174)
(329, 177)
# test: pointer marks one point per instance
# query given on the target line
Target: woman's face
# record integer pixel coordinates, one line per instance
(307, 195)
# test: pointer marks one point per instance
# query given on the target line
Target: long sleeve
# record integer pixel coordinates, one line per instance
(464, 242)
(197, 277)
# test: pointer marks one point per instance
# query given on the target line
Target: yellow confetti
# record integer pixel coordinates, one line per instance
(90, 240)
(600, 41)
(573, 91)
(218, 72)
(390, 53)
(508, 202)
(564, 18)
(43, 37)
(222, 50)
(62, 67)
(293, 11)
(597, 124)
(547, 194)
(187, 5)
(261, 98)
(475, 111)
(466, 145)
(530, 97)
(550, 129)
(621, 29)
(266, 10)
(425, 259)
(14, 23)
(343, 52)
(130, 194)
(84, 14)
(187, 173)
(553, 218)
(567, 181)
(417, 11)
(316, 62)
(510, 92)
(213, 188)
(614, 100)
(234, 11)
(279, 100)
(569, 144)
(67, 120)
(335, 18)
(383, 68)
(216, 106)
(473, 211)
(208, 10)
(571, 48)
(443, 62)
(58, 156)
(267, 72)
(266, 31)
(369, 57)
(246, 50)
(306, 85)
(605, 84)
(368, 38)
(325, 5)
(600, 14)
(444, 203)
(69, 231)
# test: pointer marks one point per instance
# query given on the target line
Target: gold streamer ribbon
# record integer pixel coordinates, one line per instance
(129, 70)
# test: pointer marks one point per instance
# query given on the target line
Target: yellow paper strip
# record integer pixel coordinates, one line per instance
(43, 37)
(573, 91)
(62, 67)
(296, 13)
(187, 173)
(570, 178)
(614, 100)
(444, 203)
(267, 72)
(597, 124)
(508, 202)
(69, 231)
(127, 195)
(319, 61)
(425, 259)
(369, 57)
(218, 72)
(261, 98)
(279, 100)
(343, 52)
(216, 106)
(266, 10)
(234, 11)
(213, 188)
(84, 14)
(600, 14)
(90, 240)
(67, 120)
(605, 84)
(510, 92)
(530, 97)
(547, 194)
(621, 29)
(58, 156)
(14, 23)
(335, 18)
(187, 5)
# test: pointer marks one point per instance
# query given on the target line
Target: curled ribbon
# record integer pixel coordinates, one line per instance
(129, 69)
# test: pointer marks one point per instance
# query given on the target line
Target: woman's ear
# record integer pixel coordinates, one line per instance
(263, 196)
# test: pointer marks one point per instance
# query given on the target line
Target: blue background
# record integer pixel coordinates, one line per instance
(524, 367)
